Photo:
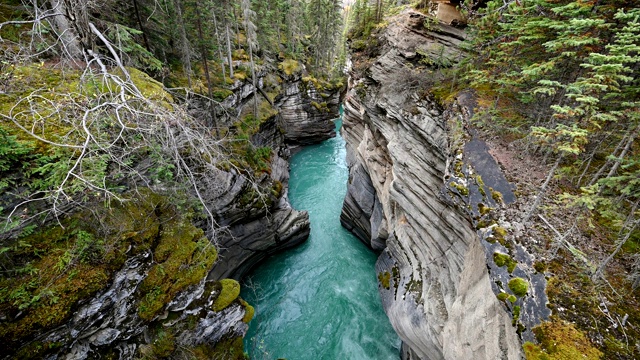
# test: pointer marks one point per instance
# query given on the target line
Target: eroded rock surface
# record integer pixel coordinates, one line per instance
(306, 112)
(255, 220)
(256, 229)
(438, 296)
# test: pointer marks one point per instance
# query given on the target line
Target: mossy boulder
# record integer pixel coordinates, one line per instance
(249, 311)
(519, 286)
(229, 292)
(501, 260)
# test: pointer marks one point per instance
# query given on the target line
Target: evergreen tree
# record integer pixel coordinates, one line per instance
(572, 69)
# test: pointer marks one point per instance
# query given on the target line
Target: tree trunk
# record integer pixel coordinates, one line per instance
(624, 152)
(237, 22)
(606, 164)
(215, 26)
(255, 85)
(144, 34)
(631, 225)
(229, 57)
(536, 203)
(71, 44)
(185, 50)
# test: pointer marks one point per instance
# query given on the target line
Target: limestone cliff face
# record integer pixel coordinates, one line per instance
(255, 231)
(306, 112)
(438, 296)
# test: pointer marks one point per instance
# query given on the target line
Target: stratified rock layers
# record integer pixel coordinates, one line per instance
(255, 231)
(254, 219)
(438, 296)
(306, 112)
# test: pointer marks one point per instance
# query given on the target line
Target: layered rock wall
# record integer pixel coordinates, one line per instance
(255, 220)
(438, 296)
(253, 230)
(306, 112)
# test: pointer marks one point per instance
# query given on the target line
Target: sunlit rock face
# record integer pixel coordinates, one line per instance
(446, 11)
(259, 225)
(438, 296)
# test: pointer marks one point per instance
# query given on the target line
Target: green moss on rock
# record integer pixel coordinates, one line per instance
(184, 256)
(230, 290)
(504, 260)
(162, 346)
(321, 107)
(496, 196)
(289, 66)
(384, 278)
(462, 190)
(230, 349)
(559, 340)
(62, 265)
(499, 233)
(540, 266)
(249, 311)
(483, 209)
(519, 286)
(516, 314)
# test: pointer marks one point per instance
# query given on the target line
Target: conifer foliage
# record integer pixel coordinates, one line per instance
(564, 76)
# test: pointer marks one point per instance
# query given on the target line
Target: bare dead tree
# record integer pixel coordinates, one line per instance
(110, 124)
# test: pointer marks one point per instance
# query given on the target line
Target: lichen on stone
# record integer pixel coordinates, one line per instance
(384, 279)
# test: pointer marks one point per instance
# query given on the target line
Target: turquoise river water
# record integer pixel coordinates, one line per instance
(319, 300)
